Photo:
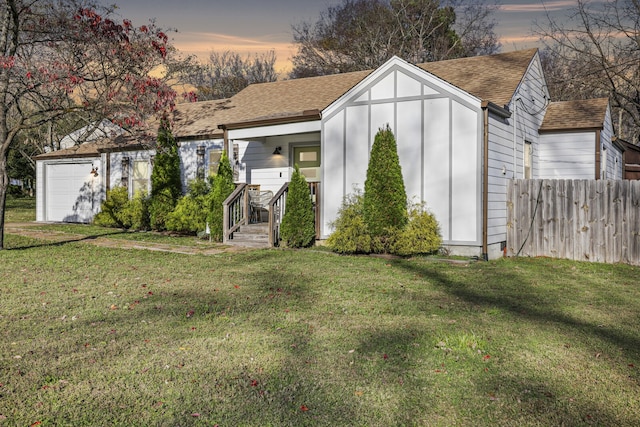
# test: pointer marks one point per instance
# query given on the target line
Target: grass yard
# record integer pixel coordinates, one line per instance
(93, 336)
(22, 209)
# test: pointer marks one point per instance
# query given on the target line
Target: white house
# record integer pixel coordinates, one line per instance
(464, 127)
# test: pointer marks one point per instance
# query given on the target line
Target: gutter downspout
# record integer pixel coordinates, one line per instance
(598, 156)
(515, 136)
(485, 182)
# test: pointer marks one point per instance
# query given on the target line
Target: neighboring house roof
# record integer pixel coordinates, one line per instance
(493, 78)
(575, 115)
(95, 148)
(91, 132)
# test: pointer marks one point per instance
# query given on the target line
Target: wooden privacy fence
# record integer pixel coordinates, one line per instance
(584, 220)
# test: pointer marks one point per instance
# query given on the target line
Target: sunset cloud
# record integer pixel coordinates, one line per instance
(538, 7)
(201, 44)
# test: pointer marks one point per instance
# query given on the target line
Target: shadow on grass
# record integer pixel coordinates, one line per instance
(538, 397)
(263, 305)
(64, 240)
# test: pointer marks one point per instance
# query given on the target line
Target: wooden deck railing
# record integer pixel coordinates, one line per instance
(277, 206)
(235, 211)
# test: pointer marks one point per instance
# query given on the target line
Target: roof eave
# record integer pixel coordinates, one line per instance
(305, 116)
(50, 156)
(496, 109)
(570, 129)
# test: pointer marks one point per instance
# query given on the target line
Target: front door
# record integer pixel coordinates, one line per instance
(308, 160)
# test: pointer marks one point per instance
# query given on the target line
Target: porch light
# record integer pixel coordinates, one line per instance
(277, 151)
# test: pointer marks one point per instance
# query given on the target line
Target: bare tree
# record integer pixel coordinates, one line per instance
(597, 53)
(70, 57)
(363, 34)
(227, 73)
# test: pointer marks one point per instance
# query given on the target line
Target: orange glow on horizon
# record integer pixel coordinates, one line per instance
(201, 44)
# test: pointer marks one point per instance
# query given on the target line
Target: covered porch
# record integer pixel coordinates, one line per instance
(263, 156)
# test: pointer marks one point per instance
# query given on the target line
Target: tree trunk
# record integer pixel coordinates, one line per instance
(4, 187)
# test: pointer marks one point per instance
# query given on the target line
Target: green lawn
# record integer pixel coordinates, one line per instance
(22, 209)
(96, 336)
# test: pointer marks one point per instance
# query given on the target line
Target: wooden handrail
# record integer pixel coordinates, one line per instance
(277, 207)
(235, 211)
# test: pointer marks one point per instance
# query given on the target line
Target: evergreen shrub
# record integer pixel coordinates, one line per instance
(223, 186)
(135, 214)
(190, 214)
(112, 207)
(298, 224)
(166, 184)
(350, 234)
(420, 236)
(385, 198)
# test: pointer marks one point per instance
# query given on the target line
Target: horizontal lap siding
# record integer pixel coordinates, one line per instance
(567, 156)
(503, 163)
(189, 158)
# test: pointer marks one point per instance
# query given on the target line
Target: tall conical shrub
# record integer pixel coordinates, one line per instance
(223, 186)
(166, 185)
(385, 198)
(298, 224)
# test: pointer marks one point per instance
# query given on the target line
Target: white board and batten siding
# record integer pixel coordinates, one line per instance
(507, 139)
(67, 191)
(437, 129)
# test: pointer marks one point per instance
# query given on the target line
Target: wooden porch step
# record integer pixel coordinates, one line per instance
(251, 235)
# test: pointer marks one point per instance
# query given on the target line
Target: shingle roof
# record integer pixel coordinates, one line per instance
(580, 114)
(200, 118)
(490, 78)
(493, 78)
(93, 149)
(289, 98)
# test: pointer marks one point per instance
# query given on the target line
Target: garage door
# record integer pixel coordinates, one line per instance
(71, 192)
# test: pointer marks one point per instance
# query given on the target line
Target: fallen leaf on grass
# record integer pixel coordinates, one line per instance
(113, 307)
(195, 414)
(303, 408)
(385, 357)
(190, 313)
(359, 393)
(487, 357)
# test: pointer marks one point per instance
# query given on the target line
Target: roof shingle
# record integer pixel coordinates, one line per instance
(493, 78)
(579, 114)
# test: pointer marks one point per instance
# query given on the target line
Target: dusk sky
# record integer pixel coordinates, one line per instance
(256, 26)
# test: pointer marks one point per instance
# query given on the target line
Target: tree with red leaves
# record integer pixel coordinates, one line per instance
(70, 57)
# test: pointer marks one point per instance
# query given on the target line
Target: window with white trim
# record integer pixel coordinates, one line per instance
(140, 178)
